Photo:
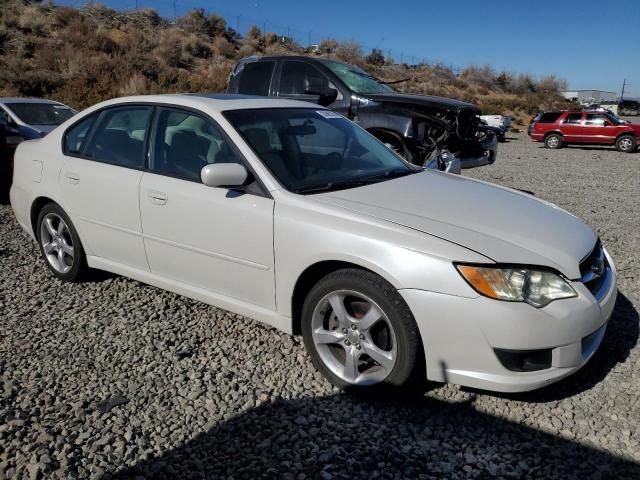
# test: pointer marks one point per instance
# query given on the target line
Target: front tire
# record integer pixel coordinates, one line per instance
(553, 141)
(60, 244)
(626, 144)
(360, 333)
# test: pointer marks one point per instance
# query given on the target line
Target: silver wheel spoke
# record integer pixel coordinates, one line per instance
(337, 304)
(324, 337)
(61, 258)
(386, 359)
(49, 224)
(66, 248)
(48, 248)
(351, 372)
(61, 227)
(373, 316)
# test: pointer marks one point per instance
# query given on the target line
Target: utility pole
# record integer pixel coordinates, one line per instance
(175, 14)
(309, 42)
(624, 83)
(238, 24)
(264, 28)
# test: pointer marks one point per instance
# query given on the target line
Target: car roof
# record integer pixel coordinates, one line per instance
(219, 102)
(5, 100)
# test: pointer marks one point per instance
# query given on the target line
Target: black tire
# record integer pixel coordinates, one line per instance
(626, 143)
(408, 372)
(553, 141)
(396, 144)
(78, 263)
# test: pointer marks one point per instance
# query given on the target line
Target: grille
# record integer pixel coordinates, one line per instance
(593, 268)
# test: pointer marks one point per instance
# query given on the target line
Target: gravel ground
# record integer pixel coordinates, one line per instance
(115, 379)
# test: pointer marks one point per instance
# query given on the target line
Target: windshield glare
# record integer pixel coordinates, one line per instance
(41, 113)
(314, 150)
(356, 79)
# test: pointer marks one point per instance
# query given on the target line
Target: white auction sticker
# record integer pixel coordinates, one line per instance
(328, 114)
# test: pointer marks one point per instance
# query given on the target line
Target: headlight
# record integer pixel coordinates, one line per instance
(516, 284)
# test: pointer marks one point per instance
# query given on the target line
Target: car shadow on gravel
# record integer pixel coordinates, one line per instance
(620, 338)
(341, 436)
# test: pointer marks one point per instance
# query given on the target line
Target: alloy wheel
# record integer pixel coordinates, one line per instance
(625, 144)
(354, 338)
(57, 243)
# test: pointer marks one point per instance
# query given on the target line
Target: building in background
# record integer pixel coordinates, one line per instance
(587, 97)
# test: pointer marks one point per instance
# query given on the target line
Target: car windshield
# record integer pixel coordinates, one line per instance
(356, 79)
(41, 113)
(311, 150)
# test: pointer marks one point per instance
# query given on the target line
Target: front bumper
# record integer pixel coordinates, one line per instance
(461, 335)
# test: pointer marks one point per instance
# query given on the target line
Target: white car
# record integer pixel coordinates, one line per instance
(291, 214)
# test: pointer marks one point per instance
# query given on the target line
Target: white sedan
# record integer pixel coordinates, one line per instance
(291, 214)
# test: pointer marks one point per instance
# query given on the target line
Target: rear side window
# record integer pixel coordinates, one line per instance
(118, 137)
(549, 117)
(254, 78)
(297, 77)
(573, 118)
(77, 134)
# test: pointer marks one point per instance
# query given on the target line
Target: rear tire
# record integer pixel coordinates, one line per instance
(626, 144)
(361, 335)
(60, 244)
(553, 141)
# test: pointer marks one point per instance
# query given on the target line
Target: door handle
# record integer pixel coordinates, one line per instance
(157, 198)
(72, 178)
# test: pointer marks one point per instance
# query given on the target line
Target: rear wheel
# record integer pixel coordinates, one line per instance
(60, 244)
(360, 333)
(553, 141)
(626, 144)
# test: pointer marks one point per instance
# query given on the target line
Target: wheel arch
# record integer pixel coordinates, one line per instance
(556, 132)
(36, 206)
(308, 278)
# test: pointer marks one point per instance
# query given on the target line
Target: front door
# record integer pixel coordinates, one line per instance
(104, 159)
(597, 129)
(216, 239)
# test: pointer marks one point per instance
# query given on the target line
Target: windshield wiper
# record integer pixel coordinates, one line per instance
(358, 181)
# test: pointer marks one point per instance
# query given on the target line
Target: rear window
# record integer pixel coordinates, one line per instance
(253, 78)
(549, 117)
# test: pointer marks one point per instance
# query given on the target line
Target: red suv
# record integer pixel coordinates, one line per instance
(558, 128)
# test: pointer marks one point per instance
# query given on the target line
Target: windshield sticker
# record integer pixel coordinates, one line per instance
(328, 114)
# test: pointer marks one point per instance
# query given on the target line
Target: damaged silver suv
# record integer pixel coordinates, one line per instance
(425, 130)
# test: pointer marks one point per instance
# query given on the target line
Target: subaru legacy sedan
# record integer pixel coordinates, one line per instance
(291, 214)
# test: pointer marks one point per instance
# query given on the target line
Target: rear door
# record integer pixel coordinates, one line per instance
(104, 160)
(571, 127)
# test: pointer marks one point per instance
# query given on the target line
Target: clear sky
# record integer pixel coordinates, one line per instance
(592, 44)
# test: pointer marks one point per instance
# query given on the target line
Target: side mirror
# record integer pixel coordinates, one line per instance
(224, 175)
(318, 86)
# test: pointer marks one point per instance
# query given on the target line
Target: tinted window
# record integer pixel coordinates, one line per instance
(573, 118)
(594, 119)
(298, 77)
(549, 117)
(185, 142)
(41, 113)
(253, 79)
(310, 150)
(119, 137)
(74, 137)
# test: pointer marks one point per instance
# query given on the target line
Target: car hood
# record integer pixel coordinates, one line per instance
(504, 225)
(422, 100)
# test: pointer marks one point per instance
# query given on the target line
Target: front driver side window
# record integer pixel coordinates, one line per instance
(185, 142)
